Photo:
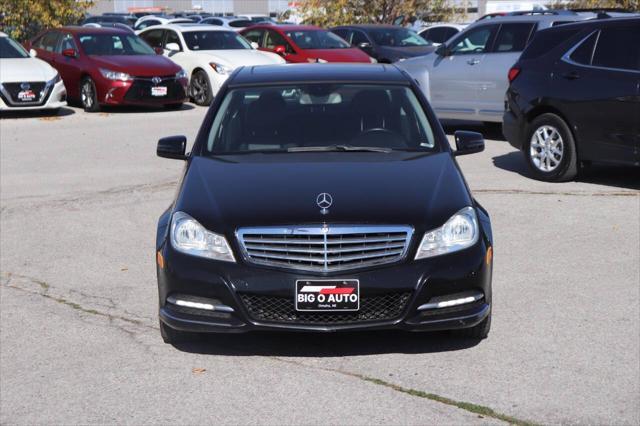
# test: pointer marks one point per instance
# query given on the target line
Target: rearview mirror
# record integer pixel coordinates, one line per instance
(468, 142)
(173, 47)
(172, 147)
(33, 53)
(280, 50)
(69, 53)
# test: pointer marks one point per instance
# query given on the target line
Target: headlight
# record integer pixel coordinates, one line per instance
(189, 237)
(181, 74)
(220, 69)
(458, 233)
(54, 80)
(373, 60)
(115, 75)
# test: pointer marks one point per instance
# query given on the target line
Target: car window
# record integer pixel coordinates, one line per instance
(148, 23)
(512, 37)
(153, 38)
(10, 49)
(317, 39)
(172, 37)
(341, 32)
(583, 53)
(396, 37)
(212, 21)
(475, 40)
(439, 34)
(241, 23)
(67, 43)
(48, 41)
(255, 36)
(618, 47)
(359, 37)
(114, 45)
(215, 40)
(546, 40)
(279, 118)
(274, 39)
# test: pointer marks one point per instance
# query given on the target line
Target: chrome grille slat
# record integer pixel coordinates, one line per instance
(325, 248)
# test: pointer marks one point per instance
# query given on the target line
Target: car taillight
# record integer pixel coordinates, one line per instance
(513, 73)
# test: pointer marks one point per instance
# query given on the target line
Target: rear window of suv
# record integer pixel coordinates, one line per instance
(546, 40)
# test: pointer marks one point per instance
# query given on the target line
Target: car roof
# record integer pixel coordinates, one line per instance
(369, 26)
(588, 23)
(185, 28)
(92, 30)
(530, 18)
(308, 73)
(286, 27)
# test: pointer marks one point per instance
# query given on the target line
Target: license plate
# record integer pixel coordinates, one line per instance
(26, 96)
(159, 91)
(327, 295)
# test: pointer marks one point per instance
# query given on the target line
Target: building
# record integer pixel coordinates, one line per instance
(225, 7)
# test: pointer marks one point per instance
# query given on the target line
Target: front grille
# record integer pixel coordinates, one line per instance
(10, 93)
(140, 90)
(325, 248)
(282, 310)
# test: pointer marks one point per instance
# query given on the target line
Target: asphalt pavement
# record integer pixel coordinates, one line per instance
(79, 341)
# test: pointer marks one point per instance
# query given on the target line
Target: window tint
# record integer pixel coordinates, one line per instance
(618, 47)
(153, 38)
(439, 35)
(48, 42)
(9, 49)
(67, 43)
(513, 37)
(546, 40)
(359, 37)
(584, 52)
(241, 23)
(341, 32)
(172, 37)
(254, 36)
(274, 39)
(473, 41)
(215, 40)
(148, 23)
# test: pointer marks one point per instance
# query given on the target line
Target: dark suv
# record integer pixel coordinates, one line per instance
(574, 96)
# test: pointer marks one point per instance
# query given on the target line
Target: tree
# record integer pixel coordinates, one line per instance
(22, 19)
(327, 13)
(631, 5)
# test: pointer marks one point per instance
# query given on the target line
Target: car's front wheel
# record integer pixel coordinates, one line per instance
(89, 95)
(550, 149)
(200, 88)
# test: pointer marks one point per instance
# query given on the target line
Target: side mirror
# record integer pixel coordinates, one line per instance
(173, 47)
(442, 51)
(159, 50)
(468, 142)
(172, 147)
(255, 45)
(280, 50)
(69, 53)
(33, 53)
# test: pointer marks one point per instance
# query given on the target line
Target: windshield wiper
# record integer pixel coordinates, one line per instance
(329, 148)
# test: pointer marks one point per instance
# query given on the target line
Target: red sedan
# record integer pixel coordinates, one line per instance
(304, 43)
(110, 66)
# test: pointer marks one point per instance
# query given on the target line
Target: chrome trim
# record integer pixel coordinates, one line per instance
(43, 93)
(319, 249)
(150, 79)
(566, 57)
(451, 300)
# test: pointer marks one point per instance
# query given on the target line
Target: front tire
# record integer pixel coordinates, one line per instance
(89, 95)
(550, 149)
(200, 90)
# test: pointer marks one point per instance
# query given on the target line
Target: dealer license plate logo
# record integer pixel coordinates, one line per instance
(26, 95)
(327, 295)
(159, 91)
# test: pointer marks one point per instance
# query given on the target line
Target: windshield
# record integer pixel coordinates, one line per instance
(317, 39)
(320, 117)
(397, 37)
(214, 40)
(114, 44)
(9, 49)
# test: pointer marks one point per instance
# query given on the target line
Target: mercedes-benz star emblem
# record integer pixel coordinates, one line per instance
(25, 86)
(324, 201)
(156, 80)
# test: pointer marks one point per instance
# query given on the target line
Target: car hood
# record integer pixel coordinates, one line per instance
(338, 55)
(396, 53)
(25, 69)
(138, 65)
(241, 57)
(281, 189)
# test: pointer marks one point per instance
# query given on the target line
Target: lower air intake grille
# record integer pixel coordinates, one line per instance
(282, 310)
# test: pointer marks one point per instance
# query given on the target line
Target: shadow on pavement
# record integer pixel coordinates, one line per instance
(492, 131)
(617, 176)
(124, 109)
(326, 344)
(43, 113)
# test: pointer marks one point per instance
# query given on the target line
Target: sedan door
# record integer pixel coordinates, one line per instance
(46, 45)
(454, 78)
(69, 67)
(598, 83)
(491, 72)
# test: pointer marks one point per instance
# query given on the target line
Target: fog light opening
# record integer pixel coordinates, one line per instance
(451, 300)
(198, 303)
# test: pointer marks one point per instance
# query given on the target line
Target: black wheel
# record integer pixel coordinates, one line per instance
(173, 107)
(550, 149)
(89, 95)
(480, 331)
(200, 88)
(172, 336)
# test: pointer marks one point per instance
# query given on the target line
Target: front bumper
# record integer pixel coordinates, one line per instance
(413, 284)
(55, 98)
(138, 92)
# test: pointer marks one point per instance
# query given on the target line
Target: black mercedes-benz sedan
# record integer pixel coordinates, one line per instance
(322, 197)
